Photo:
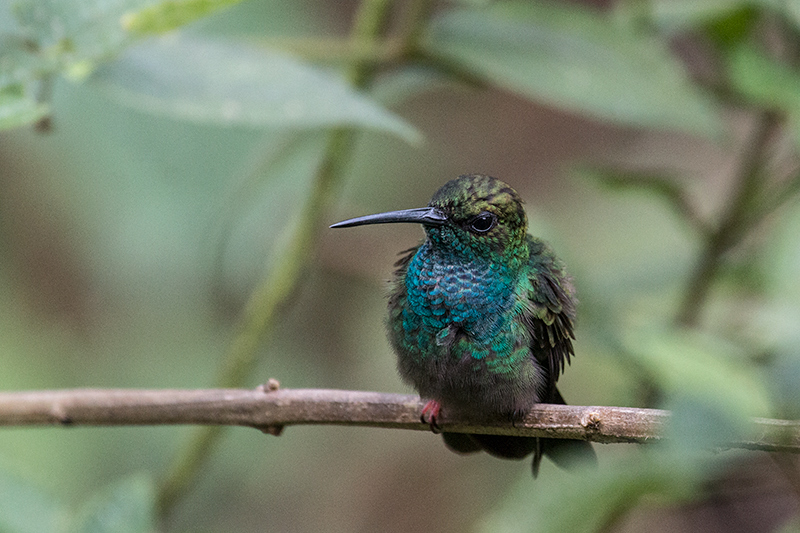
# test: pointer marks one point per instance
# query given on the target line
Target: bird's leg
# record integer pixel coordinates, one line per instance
(430, 412)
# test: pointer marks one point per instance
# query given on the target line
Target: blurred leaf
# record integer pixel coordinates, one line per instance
(618, 179)
(407, 82)
(678, 15)
(19, 62)
(782, 261)
(726, 18)
(20, 67)
(789, 8)
(734, 28)
(700, 424)
(127, 507)
(167, 15)
(665, 187)
(25, 509)
(766, 82)
(774, 326)
(75, 30)
(784, 375)
(19, 109)
(221, 83)
(270, 196)
(592, 499)
(702, 368)
(577, 59)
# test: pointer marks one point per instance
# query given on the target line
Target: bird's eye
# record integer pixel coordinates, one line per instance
(483, 222)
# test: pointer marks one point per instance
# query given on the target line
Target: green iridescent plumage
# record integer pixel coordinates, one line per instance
(481, 313)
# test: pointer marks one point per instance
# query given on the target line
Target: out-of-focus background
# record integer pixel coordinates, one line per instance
(157, 160)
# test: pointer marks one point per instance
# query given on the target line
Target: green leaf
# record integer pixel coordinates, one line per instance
(170, 14)
(766, 83)
(26, 509)
(621, 179)
(782, 263)
(675, 15)
(74, 30)
(19, 61)
(271, 196)
(784, 375)
(233, 84)
(763, 80)
(709, 385)
(700, 367)
(127, 507)
(576, 59)
(590, 500)
(407, 82)
(721, 16)
(19, 109)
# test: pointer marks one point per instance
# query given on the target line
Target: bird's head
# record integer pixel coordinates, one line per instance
(473, 216)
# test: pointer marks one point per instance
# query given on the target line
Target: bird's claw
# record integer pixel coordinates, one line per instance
(518, 415)
(430, 412)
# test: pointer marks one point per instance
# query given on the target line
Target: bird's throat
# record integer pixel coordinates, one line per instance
(445, 291)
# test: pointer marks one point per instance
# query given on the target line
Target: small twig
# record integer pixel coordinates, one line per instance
(734, 223)
(268, 410)
(335, 49)
(274, 291)
(775, 199)
(666, 187)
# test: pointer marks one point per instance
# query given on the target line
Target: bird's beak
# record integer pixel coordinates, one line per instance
(429, 216)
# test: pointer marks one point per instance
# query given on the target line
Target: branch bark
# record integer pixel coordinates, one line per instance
(269, 410)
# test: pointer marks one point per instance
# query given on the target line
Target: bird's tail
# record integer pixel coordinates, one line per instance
(563, 452)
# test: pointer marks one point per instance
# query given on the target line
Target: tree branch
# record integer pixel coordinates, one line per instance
(269, 410)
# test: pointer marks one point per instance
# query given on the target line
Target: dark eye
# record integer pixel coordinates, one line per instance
(483, 222)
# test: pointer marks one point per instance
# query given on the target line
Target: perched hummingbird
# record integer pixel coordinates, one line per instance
(481, 314)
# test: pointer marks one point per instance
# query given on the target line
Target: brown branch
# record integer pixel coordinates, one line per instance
(270, 410)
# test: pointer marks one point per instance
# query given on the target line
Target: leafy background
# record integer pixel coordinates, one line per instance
(167, 173)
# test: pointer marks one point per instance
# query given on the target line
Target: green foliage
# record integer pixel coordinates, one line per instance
(766, 82)
(25, 509)
(125, 507)
(17, 109)
(214, 82)
(593, 499)
(575, 59)
(161, 17)
(189, 177)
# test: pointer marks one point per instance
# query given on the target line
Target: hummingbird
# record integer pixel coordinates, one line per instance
(481, 315)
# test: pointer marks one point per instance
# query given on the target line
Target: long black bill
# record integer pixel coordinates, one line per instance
(422, 215)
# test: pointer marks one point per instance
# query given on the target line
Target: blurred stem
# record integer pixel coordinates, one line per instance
(276, 289)
(734, 223)
(361, 48)
(335, 50)
(44, 96)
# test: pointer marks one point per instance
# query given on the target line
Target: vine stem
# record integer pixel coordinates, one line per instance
(275, 290)
(734, 223)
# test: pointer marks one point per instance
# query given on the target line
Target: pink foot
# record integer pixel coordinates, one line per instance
(430, 412)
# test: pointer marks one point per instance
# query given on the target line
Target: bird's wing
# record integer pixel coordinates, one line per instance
(398, 295)
(550, 311)
(405, 258)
